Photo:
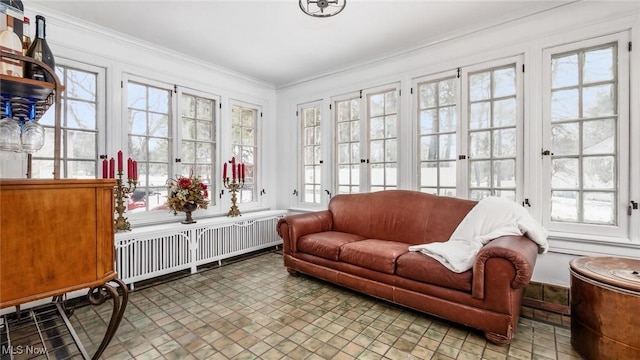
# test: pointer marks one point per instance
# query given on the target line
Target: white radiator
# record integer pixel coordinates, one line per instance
(147, 252)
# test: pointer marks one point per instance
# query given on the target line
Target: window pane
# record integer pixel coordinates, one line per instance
(204, 109)
(447, 174)
(188, 129)
(564, 174)
(480, 173)
(447, 119)
(82, 145)
(504, 82)
(565, 105)
(565, 139)
(564, 205)
(428, 174)
(598, 65)
(504, 174)
(480, 86)
(205, 130)
(447, 145)
(376, 105)
(428, 121)
(428, 147)
(427, 95)
(344, 132)
(377, 128)
(504, 112)
(599, 137)
(447, 92)
(480, 115)
(188, 106)
(598, 101)
(80, 85)
(564, 71)
(504, 143)
(376, 151)
(598, 172)
(599, 208)
(480, 145)
(81, 115)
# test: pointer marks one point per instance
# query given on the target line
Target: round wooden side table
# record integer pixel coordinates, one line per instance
(605, 306)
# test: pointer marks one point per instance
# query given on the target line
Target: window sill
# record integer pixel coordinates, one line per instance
(592, 245)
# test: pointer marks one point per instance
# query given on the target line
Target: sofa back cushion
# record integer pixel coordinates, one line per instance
(399, 215)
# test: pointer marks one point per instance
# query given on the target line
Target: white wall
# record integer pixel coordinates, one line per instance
(527, 36)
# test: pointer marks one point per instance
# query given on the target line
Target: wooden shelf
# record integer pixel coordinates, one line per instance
(25, 88)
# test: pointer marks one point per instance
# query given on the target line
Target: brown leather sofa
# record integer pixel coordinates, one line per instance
(361, 242)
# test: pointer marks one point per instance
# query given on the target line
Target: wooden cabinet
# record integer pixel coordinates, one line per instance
(56, 236)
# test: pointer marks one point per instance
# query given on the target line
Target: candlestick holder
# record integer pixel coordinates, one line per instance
(122, 192)
(234, 185)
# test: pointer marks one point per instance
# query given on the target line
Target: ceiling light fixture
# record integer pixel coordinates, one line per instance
(322, 8)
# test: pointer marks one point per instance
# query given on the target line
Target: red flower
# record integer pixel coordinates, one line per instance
(203, 186)
(184, 183)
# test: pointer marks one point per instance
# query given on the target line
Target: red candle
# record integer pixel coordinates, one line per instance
(239, 171)
(112, 168)
(224, 171)
(129, 168)
(243, 172)
(120, 160)
(233, 167)
(134, 169)
(105, 168)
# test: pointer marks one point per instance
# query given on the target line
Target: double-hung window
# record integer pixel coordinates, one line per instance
(469, 131)
(586, 137)
(82, 124)
(367, 147)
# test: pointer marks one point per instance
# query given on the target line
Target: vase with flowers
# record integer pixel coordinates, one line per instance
(187, 194)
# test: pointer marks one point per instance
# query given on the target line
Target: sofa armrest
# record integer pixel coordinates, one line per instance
(520, 251)
(292, 227)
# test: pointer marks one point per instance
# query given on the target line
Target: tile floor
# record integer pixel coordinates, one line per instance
(253, 309)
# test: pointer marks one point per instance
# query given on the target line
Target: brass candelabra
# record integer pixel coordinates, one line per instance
(121, 193)
(234, 185)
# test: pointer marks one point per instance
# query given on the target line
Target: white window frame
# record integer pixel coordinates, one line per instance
(259, 164)
(157, 215)
(216, 182)
(588, 232)
(334, 122)
(415, 100)
(462, 132)
(365, 141)
(301, 183)
(100, 118)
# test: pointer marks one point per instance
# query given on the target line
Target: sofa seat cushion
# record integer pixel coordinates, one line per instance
(379, 255)
(419, 267)
(326, 244)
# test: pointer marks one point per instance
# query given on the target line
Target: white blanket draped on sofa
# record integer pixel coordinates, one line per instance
(491, 218)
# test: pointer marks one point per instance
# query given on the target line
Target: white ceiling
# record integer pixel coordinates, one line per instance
(275, 42)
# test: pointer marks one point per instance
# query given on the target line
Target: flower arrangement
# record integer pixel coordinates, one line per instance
(187, 190)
